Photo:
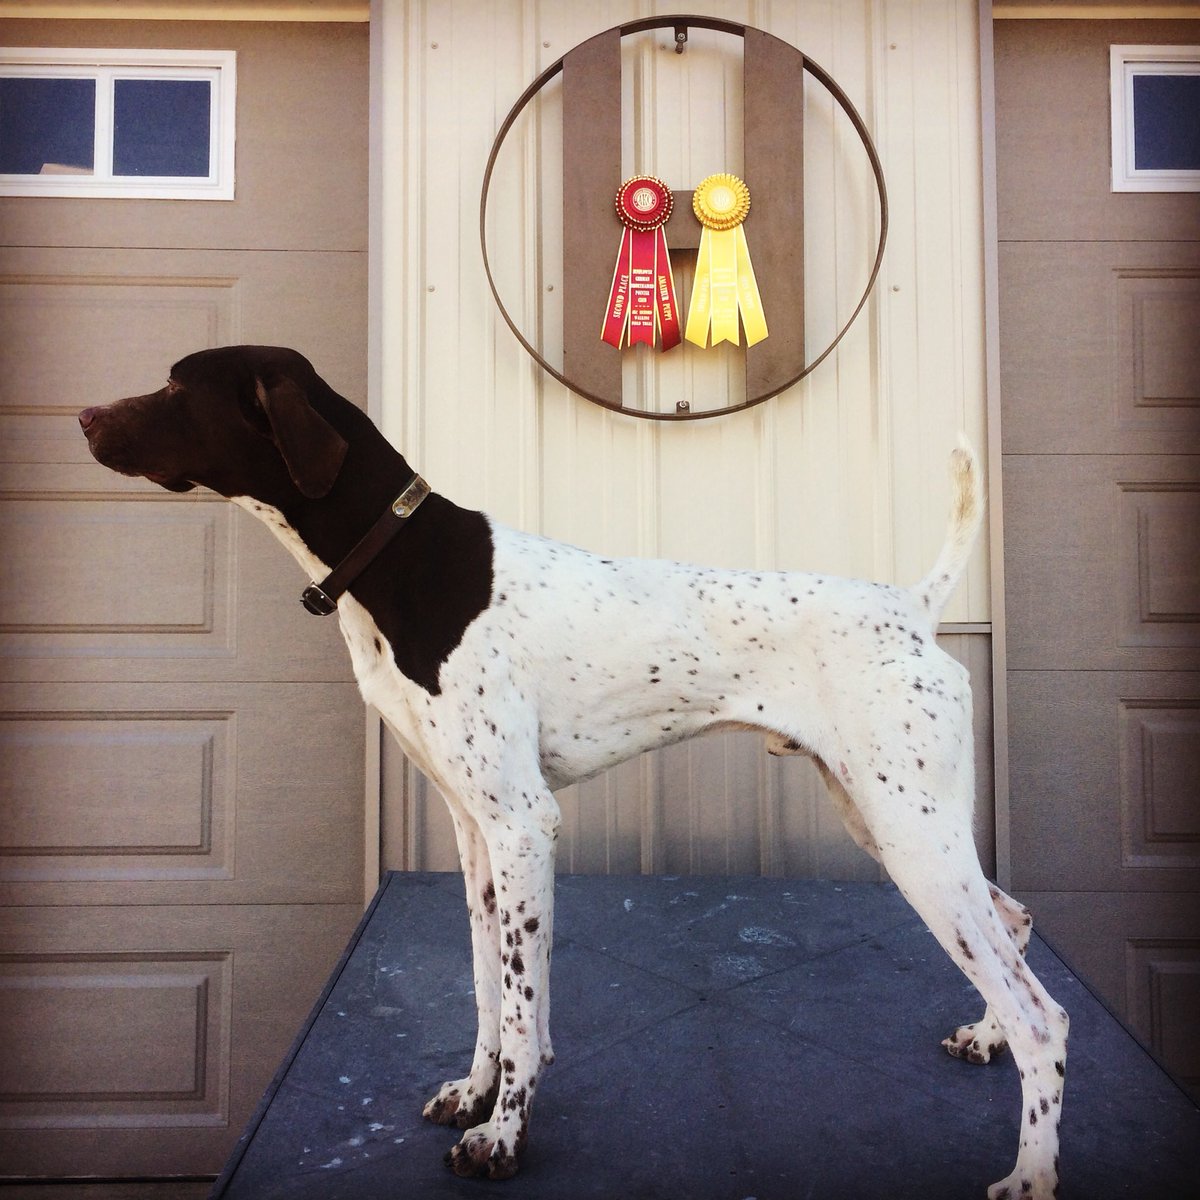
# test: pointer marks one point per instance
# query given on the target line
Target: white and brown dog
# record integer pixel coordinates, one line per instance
(508, 665)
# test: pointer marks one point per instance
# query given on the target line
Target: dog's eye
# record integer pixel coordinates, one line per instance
(172, 387)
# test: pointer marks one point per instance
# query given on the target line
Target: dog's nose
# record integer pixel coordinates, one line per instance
(87, 417)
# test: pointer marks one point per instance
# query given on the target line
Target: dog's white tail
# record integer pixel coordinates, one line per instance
(966, 515)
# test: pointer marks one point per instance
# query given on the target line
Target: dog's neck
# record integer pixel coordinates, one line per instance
(425, 587)
(320, 532)
(286, 533)
(321, 596)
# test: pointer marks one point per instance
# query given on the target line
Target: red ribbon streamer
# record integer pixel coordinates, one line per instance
(641, 301)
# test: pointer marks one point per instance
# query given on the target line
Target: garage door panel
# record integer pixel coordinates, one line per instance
(1157, 525)
(1109, 767)
(1141, 955)
(60, 327)
(127, 1047)
(75, 579)
(1112, 580)
(158, 305)
(1099, 348)
(167, 783)
(213, 794)
(64, 1069)
(137, 584)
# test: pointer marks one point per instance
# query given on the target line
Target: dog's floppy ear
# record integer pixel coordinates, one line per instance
(312, 449)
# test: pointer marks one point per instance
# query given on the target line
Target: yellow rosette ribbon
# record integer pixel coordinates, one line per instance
(724, 285)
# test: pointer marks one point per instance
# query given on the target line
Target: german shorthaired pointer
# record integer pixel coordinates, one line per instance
(508, 665)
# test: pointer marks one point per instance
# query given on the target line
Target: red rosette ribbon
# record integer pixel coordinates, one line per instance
(642, 297)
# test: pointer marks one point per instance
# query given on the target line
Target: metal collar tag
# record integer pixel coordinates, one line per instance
(410, 499)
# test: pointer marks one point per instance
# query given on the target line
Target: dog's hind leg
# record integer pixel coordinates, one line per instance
(927, 848)
(852, 819)
(521, 844)
(466, 1102)
(979, 1042)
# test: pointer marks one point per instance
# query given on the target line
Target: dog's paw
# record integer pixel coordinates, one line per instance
(1038, 1185)
(978, 1043)
(478, 1154)
(458, 1103)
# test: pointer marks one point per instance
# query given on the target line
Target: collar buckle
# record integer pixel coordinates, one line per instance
(317, 602)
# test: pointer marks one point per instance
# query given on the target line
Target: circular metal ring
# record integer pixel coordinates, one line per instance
(737, 29)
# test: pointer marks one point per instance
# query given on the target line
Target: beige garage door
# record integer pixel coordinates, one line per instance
(182, 746)
(1100, 361)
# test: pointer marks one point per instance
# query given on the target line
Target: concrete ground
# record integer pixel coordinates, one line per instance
(716, 1039)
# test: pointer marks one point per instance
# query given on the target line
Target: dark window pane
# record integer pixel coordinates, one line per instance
(1166, 122)
(47, 123)
(161, 126)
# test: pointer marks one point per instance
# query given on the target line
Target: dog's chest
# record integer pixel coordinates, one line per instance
(406, 708)
(397, 698)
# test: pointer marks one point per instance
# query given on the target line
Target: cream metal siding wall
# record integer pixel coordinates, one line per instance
(844, 473)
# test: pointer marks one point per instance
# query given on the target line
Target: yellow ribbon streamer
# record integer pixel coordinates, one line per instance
(725, 284)
(749, 301)
(700, 306)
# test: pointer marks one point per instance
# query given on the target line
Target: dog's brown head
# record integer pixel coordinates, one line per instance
(242, 420)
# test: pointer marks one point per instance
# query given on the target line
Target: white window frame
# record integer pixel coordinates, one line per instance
(217, 67)
(1127, 62)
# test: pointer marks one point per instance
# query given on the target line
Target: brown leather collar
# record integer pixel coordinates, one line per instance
(321, 598)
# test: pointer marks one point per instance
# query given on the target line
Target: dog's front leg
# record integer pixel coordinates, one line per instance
(521, 843)
(466, 1102)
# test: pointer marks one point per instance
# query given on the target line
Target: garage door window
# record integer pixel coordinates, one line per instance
(1155, 118)
(141, 124)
